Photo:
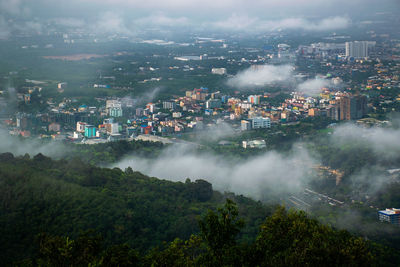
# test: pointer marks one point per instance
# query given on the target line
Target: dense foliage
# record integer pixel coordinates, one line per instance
(285, 238)
(63, 197)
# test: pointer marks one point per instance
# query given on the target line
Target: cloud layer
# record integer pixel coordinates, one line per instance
(314, 86)
(255, 24)
(255, 177)
(261, 75)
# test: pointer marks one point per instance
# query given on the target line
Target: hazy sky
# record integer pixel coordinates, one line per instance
(126, 16)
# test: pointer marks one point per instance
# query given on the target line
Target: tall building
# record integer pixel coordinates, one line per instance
(245, 125)
(90, 131)
(254, 99)
(80, 126)
(169, 104)
(352, 107)
(139, 112)
(115, 112)
(213, 103)
(390, 215)
(333, 112)
(357, 49)
(260, 122)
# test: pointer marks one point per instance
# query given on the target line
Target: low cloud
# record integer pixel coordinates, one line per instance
(13, 7)
(314, 86)
(4, 28)
(20, 147)
(261, 75)
(236, 22)
(69, 22)
(254, 24)
(383, 141)
(144, 98)
(162, 20)
(255, 177)
(111, 23)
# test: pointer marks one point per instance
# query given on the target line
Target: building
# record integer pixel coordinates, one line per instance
(357, 49)
(254, 144)
(213, 103)
(80, 126)
(54, 127)
(151, 107)
(390, 215)
(219, 71)
(139, 112)
(176, 115)
(245, 125)
(199, 94)
(112, 128)
(313, 112)
(352, 107)
(259, 122)
(169, 105)
(254, 99)
(113, 104)
(62, 85)
(115, 112)
(90, 131)
(333, 112)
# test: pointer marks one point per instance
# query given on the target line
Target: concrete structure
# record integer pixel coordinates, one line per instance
(245, 125)
(62, 85)
(254, 99)
(169, 105)
(357, 49)
(352, 107)
(139, 112)
(259, 122)
(80, 126)
(176, 115)
(213, 103)
(151, 107)
(254, 144)
(115, 112)
(390, 215)
(219, 71)
(112, 128)
(153, 138)
(54, 127)
(90, 131)
(113, 104)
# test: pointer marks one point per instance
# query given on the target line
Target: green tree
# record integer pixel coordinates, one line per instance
(219, 231)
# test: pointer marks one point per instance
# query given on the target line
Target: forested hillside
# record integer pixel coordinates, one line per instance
(67, 197)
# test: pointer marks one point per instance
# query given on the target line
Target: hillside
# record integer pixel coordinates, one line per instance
(62, 197)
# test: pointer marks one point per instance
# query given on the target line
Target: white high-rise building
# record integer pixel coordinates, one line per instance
(357, 49)
(260, 122)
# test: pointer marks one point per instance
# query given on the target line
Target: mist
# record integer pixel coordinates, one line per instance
(383, 141)
(255, 24)
(314, 86)
(261, 75)
(255, 177)
(130, 17)
(19, 146)
(272, 174)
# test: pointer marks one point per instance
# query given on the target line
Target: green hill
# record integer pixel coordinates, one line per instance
(65, 197)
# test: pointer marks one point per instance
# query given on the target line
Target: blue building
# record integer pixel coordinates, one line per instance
(390, 215)
(90, 131)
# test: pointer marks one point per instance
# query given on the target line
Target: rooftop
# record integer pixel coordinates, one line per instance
(392, 211)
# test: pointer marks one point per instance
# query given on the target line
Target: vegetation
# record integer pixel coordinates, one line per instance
(64, 197)
(285, 238)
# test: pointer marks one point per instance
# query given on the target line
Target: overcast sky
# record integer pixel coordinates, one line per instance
(255, 15)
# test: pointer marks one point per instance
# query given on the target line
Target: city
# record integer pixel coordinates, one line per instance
(180, 133)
